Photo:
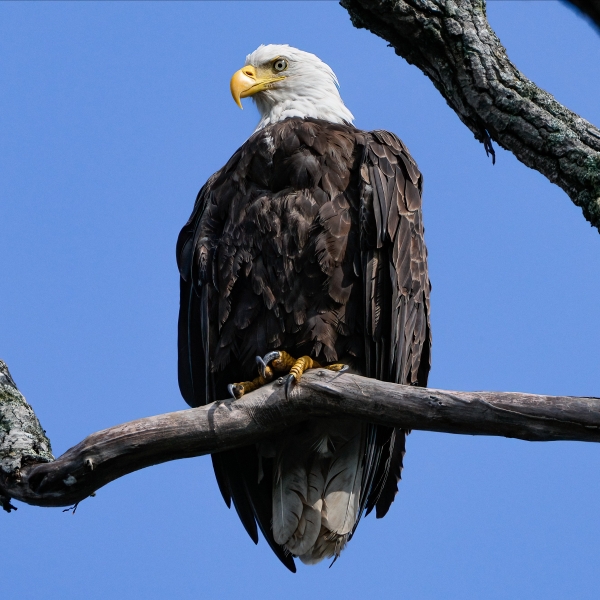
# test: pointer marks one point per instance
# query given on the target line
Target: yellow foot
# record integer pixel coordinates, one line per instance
(237, 390)
(282, 362)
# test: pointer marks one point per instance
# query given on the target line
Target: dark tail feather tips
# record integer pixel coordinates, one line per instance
(390, 489)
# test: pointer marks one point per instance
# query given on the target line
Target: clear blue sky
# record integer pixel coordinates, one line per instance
(112, 115)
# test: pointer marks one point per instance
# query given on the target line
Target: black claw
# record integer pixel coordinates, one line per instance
(230, 389)
(290, 381)
(342, 370)
(263, 362)
(269, 356)
(72, 509)
(262, 367)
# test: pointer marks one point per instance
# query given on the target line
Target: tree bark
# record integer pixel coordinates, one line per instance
(590, 8)
(32, 476)
(22, 440)
(452, 42)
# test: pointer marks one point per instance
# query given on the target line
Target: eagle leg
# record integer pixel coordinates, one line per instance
(279, 361)
(303, 364)
(237, 390)
(282, 362)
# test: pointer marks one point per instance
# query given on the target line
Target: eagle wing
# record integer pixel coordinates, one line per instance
(236, 471)
(396, 294)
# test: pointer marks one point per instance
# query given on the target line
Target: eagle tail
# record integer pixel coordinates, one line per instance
(317, 488)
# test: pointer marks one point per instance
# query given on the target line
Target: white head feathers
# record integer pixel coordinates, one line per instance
(309, 87)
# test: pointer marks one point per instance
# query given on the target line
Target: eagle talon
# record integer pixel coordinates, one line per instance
(264, 367)
(231, 389)
(290, 382)
(265, 371)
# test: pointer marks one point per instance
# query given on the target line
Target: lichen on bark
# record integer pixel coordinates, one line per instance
(22, 439)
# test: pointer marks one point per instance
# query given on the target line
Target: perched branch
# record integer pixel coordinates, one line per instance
(590, 8)
(452, 42)
(112, 453)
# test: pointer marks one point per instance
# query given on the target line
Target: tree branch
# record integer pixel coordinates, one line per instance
(452, 42)
(590, 8)
(112, 453)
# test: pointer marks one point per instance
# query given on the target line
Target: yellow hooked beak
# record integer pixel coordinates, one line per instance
(246, 82)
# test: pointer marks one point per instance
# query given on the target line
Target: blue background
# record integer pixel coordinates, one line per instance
(112, 115)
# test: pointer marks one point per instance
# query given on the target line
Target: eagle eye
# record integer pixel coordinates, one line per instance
(279, 65)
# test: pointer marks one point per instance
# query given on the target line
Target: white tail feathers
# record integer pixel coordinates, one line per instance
(309, 525)
(289, 494)
(342, 485)
(316, 488)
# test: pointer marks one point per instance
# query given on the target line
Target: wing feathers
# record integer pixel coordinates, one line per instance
(399, 332)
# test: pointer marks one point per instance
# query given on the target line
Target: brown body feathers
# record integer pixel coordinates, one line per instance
(310, 239)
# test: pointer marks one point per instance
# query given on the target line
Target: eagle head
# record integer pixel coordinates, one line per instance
(286, 82)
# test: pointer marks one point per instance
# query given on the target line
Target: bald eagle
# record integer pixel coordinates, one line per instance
(306, 249)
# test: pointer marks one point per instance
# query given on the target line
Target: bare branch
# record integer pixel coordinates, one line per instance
(452, 42)
(112, 453)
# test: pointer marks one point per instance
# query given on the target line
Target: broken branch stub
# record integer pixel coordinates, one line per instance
(23, 442)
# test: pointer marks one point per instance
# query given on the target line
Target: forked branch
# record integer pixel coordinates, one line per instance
(452, 42)
(28, 473)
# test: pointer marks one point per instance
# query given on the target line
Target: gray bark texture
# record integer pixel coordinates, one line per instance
(590, 8)
(23, 442)
(32, 477)
(452, 42)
